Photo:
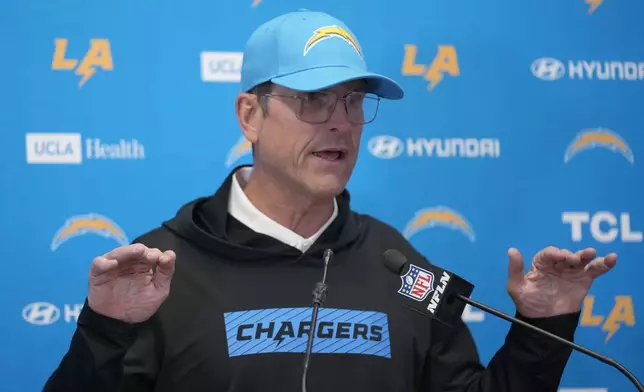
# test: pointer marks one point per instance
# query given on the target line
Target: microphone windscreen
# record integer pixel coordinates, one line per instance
(394, 261)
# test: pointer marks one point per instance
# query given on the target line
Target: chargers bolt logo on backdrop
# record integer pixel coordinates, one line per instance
(589, 139)
(417, 283)
(239, 150)
(444, 62)
(439, 216)
(99, 55)
(328, 32)
(593, 5)
(88, 224)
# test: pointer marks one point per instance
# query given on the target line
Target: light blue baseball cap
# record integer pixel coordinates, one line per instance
(309, 51)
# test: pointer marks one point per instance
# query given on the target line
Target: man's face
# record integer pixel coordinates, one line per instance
(316, 159)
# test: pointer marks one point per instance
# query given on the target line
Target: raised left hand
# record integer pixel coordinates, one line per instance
(557, 282)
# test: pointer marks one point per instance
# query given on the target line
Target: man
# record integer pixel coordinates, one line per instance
(218, 298)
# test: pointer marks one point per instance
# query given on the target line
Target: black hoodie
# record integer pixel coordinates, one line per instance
(238, 313)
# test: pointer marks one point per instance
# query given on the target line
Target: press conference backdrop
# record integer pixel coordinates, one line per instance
(521, 127)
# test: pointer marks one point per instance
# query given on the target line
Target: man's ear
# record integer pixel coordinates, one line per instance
(249, 115)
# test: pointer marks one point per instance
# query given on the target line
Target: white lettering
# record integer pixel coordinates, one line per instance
(595, 227)
(603, 71)
(454, 148)
(72, 312)
(436, 298)
(606, 70)
(627, 234)
(95, 149)
(415, 147)
(630, 71)
(471, 315)
(575, 69)
(575, 219)
(616, 227)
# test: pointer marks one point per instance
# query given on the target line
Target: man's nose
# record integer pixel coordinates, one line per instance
(339, 120)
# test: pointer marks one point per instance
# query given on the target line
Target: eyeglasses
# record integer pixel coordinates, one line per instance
(318, 107)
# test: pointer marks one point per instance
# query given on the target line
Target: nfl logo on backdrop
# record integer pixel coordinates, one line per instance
(417, 283)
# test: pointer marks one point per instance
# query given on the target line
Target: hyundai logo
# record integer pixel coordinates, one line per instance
(385, 147)
(548, 69)
(40, 313)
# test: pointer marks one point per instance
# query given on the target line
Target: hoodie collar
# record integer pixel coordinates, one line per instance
(208, 223)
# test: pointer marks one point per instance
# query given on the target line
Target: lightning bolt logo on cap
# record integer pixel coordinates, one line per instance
(592, 138)
(240, 149)
(88, 224)
(440, 216)
(328, 32)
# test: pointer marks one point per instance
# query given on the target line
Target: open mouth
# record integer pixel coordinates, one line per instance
(331, 155)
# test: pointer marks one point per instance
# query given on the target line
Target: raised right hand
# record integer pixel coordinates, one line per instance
(123, 285)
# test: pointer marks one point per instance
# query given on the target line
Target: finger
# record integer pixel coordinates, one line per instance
(153, 255)
(127, 253)
(586, 255)
(515, 268)
(601, 265)
(570, 261)
(102, 265)
(548, 257)
(165, 269)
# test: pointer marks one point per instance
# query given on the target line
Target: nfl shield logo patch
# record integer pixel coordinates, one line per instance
(417, 283)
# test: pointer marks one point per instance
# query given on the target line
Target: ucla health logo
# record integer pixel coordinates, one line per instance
(67, 148)
(594, 138)
(221, 67)
(92, 223)
(440, 216)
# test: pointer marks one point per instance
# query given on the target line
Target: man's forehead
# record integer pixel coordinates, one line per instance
(353, 85)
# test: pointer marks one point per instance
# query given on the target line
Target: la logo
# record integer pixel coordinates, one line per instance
(99, 55)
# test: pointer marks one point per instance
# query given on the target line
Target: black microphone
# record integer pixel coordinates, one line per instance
(432, 291)
(319, 296)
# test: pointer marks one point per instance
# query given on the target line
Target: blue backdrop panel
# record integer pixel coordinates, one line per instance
(521, 127)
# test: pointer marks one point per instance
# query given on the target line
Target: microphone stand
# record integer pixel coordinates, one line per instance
(319, 296)
(575, 346)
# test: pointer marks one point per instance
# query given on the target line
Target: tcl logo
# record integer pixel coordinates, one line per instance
(44, 313)
(605, 226)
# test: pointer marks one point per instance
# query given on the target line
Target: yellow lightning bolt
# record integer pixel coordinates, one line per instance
(87, 71)
(434, 76)
(610, 326)
(331, 31)
(594, 4)
(255, 3)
